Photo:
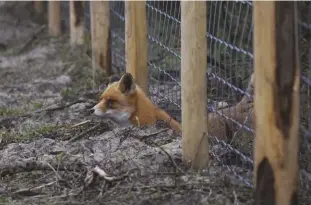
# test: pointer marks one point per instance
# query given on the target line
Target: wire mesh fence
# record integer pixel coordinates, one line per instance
(230, 65)
(305, 100)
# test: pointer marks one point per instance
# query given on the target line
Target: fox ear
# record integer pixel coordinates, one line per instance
(127, 85)
(113, 79)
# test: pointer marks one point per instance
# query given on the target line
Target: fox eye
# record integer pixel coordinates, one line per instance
(110, 103)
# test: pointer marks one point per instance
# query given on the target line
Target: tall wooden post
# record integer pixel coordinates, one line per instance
(276, 103)
(76, 22)
(136, 42)
(54, 18)
(193, 82)
(38, 5)
(100, 25)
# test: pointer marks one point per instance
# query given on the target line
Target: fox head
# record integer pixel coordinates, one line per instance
(118, 101)
(125, 103)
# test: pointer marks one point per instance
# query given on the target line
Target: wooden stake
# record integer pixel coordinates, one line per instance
(193, 82)
(76, 22)
(276, 103)
(100, 24)
(54, 18)
(136, 42)
(38, 5)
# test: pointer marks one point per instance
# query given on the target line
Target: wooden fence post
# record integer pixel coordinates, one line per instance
(100, 26)
(38, 5)
(136, 42)
(276, 103)
(54, 18)
(193, 83)
(76, 22)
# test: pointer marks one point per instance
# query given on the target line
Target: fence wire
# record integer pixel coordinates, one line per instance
(305, 100)
(230, 65)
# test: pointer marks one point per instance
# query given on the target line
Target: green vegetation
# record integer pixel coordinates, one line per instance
(6, 112)
(36, 105)
(4, 200)
(27, 132)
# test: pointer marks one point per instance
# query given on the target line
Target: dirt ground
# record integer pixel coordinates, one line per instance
(52, 151)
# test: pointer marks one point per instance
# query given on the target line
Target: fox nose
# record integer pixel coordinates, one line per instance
(92, 110)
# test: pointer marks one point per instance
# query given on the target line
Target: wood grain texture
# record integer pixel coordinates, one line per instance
(276, 103)
(76, 9)
(54, 18)
(136, 42)
(193, 82)
(100, 25)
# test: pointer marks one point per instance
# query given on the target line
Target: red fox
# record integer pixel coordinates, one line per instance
(125, 103)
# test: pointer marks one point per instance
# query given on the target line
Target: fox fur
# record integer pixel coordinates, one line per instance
(125, 103)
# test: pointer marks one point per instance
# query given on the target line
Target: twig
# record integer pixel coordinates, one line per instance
(169, 156)
(31, 39)
(111, 190)
(152, 134)
(142, 139)
(236, 201)
(2, 120)
(81, 123)
(61, 106)
(83, 133)
(57, 175)
(22, 165)
(165, 152)
(18, 165)
(104, 175)
(89, 178)
(71, 68)
(31, 191)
